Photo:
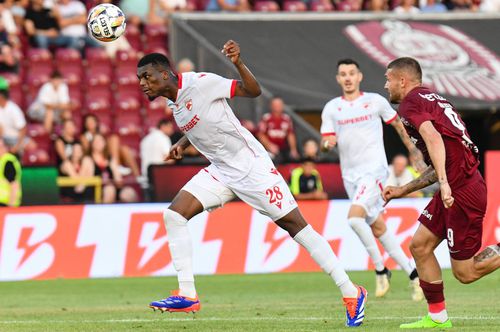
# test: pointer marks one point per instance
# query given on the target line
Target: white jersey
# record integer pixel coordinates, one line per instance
(204, 116)
(359, 133)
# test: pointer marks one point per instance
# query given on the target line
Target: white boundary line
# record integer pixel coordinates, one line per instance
(222, 319)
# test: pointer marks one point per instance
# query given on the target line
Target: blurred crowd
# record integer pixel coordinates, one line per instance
(73, 102)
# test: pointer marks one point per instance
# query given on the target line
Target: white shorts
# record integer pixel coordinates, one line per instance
(367, 193)
(263, 188)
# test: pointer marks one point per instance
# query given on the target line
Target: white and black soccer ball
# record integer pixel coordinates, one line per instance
(106, 22)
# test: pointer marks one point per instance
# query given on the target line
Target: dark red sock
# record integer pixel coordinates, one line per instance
(434, 293)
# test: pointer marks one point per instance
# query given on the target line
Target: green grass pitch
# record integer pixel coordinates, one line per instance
(267, 302)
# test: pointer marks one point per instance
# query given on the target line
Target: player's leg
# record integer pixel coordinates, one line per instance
(357, 220)
(394, 250)
(319, 249)
(200, 193)
(422, 247)
(464, 234)
(472, 269)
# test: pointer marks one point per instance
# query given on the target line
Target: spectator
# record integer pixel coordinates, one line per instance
(10, 178)
(161, 9)
(433, 6)
(350, 5)
(228, 5)
(276, 133)
(72, 167)
(378, 5)
(305, 182)
(399, 174)
(155, 146)
(492, 6)
(18, 10)
(71, 16)
(310, 149)
(100, 163)
(461, 5)
(12, 122)
(65, 145)
(121, 154)
(52, 103)
(185, 65)
(41, 26)
(138, 11)
(407, 7)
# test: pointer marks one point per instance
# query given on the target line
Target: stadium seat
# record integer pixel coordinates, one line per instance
(266, 6)
(96, 55)
(68, 55)
(36, 157)
(126, 61)
(105, 121)
(127, 123)
(294, 6)
(72, 72)
(75, 93)
(155, 111)
(133, 35)
(39, 56)
(318, 6)
(15, 88)
(126, 103)
(133, 141)
(156, 35)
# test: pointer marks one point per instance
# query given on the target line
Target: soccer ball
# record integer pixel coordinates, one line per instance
(106, 22)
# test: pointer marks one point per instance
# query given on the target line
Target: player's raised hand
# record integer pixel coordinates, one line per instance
(391, 192)
(446, 194)
(231, 49)
(176, 152)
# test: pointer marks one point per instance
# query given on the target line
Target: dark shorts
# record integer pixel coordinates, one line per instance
(462, 224)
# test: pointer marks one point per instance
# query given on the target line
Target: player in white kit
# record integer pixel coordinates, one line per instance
(240, 167)
(353, 122)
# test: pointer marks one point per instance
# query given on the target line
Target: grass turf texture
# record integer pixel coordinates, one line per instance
(268, 302)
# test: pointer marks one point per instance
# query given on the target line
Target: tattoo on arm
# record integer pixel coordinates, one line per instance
(427, 178)
(485, 255)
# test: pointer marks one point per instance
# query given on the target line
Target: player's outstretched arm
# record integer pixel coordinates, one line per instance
(427, 178)
(248, 86)
(416, 157)
(437, 152)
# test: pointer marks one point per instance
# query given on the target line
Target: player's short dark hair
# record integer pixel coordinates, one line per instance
(4, 93)
(307, 160)
(409, 64)
(347, 61)
(155, 59)
(56, 74)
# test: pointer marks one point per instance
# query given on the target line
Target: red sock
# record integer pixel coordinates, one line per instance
(434, 294)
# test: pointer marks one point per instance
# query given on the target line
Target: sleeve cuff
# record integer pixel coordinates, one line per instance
(391, 120)
(233, 88)
(328, 134)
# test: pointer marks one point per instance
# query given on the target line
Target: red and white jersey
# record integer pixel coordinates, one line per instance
(204, 116)
(359, 133)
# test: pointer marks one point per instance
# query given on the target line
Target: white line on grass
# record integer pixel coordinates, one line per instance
(219, 319)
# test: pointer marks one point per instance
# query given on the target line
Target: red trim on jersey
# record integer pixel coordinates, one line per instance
(179, 81)
(233, 88)
(328, 134)
(390, 121)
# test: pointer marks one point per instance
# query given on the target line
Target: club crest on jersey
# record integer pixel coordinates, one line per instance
(189, 104)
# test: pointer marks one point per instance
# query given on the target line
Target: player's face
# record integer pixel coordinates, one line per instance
(152, 81)
(349, 77)
(393, 86)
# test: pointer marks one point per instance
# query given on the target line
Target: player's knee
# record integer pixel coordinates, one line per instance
(173, 219)
(378, 228)
(419, 249)
(464, 277)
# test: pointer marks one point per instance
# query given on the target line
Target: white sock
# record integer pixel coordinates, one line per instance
(394, 250)
(179, 242)
(439, 317)
(365, 234)
(322, 253)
